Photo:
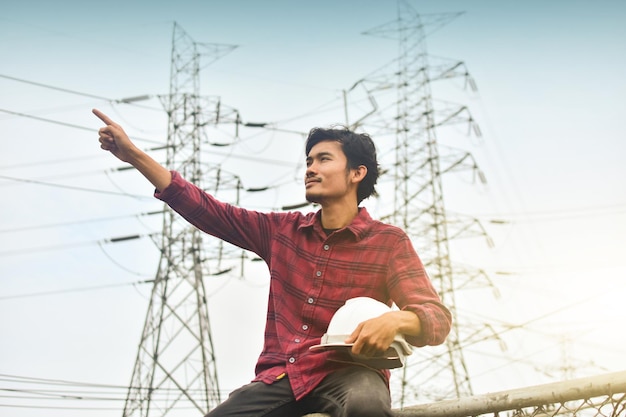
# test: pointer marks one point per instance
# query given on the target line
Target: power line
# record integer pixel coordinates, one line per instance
(55, 382)
(73, 245)
(551, 215)
(49, 407)
(50, 162)
(127, 100)
(73, 290)
(74, 223)
(29, 116)
(72, 175)
(72, 125)
(71, 187)
(65, 90)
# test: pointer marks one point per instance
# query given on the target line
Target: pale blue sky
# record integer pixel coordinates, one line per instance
(550, 103)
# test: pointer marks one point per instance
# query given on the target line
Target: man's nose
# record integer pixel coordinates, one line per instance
(310, 169)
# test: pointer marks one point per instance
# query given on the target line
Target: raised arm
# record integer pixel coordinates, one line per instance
(113, 139)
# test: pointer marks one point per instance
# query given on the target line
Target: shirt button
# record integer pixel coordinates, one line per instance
(310, 300)
(318, 273)
(305, 327)
(297, 340)
(292, 359)
(326, 247)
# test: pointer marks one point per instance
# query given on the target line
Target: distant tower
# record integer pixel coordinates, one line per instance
(175, 367)
(402, 106)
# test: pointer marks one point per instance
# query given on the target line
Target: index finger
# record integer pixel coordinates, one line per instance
(103, 117)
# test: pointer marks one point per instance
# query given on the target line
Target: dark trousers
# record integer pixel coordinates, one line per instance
(349, 392)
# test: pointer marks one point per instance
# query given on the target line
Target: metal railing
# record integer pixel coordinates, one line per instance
(598, 396)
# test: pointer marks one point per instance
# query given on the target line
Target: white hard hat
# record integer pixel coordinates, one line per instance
(347, 318)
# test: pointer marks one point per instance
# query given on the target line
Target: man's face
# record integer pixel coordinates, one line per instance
(327, 176)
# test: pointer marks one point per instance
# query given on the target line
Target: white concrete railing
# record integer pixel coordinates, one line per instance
(597, 396)
(602, 395)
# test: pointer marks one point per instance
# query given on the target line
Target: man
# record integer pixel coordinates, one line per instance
(317, 261)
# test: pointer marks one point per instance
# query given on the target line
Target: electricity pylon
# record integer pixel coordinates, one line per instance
(400, 104)
(175, 367)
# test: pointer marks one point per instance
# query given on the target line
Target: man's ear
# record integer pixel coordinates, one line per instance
(359, 173)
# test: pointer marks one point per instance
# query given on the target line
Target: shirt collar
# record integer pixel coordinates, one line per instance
(359, 226)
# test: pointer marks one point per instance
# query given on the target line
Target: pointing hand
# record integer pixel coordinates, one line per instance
(113, 138)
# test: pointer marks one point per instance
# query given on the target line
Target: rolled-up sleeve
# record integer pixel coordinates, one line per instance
(412, 290)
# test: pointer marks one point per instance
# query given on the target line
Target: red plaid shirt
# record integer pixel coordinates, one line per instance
(313, 274)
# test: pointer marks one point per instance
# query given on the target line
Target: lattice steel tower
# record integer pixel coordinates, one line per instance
(175, 367)
(411, 120)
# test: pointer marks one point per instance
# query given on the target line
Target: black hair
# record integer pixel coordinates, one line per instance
(359, 149)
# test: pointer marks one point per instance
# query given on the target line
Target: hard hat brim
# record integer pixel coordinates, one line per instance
(387, 360)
